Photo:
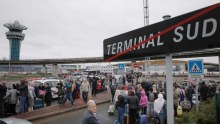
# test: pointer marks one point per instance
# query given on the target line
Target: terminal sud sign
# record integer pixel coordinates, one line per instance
(192, 31)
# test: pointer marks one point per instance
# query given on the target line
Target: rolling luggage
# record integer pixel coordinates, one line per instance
(38, 103)
(111, 110)
(143, 119)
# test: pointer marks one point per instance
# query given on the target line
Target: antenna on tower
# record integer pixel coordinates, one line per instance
(146, 12)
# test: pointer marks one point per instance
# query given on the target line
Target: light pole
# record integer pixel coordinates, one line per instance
(146, 23)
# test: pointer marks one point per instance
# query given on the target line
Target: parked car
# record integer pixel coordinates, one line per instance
(52, 83)
(13, 120)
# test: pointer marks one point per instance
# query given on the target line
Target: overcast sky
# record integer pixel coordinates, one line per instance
(77, 28)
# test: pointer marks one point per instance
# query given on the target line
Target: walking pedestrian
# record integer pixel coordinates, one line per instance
(68, 94)
(85, 89)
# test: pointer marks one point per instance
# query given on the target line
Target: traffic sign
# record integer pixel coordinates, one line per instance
(121, 66)
(195, 67)
(196, 30)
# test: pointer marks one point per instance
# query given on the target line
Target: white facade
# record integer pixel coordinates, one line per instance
(102, 69)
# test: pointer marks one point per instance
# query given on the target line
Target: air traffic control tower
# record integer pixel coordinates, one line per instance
(15, 36)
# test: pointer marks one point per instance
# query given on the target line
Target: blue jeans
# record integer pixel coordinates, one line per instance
(70, 98)
(23, 104)
(121, 112)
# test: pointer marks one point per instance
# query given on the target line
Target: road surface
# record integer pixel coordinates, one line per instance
(75, 117)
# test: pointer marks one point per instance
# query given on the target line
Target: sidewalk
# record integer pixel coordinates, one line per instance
(59, 109)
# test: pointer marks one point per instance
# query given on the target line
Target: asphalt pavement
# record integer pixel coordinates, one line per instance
(75, 117)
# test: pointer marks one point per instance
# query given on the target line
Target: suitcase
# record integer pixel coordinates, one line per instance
(38, 103)
(143, 119)
(111, 110)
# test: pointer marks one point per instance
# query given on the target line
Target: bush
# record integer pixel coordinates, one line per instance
(206, 114)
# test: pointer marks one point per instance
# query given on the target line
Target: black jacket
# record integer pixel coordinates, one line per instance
(23, 88)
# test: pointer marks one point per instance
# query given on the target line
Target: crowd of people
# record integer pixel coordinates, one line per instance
(25, 93)
(149, 98)
(129, 96)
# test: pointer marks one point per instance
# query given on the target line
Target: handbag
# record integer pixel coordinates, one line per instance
(179, 110)
(42, 92)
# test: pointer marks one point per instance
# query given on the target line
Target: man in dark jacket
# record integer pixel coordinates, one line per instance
(48, 95)
(90, 116)
(3, 90)
(203, 91)
(94, 86)
(23, 88)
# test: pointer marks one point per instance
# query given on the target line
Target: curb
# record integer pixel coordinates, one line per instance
(62, 111)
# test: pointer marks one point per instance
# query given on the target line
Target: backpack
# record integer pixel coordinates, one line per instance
(68, 87)
(122, 99)
(181, 96)
(151, 97)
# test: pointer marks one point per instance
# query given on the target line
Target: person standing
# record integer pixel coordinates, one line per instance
(73, 91)
(31, 96)
(175, 100)
(85, 89)
(3, 90)
(23, 88)
(143, 102)
(190, 92)
(151, 102)
(120, 107)
(90, 116)
(160, 108)
(133, 103)
(13, 99)
(60, 91)
(203, 91)
(94, 86)
(41, 92)
(48, 95)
